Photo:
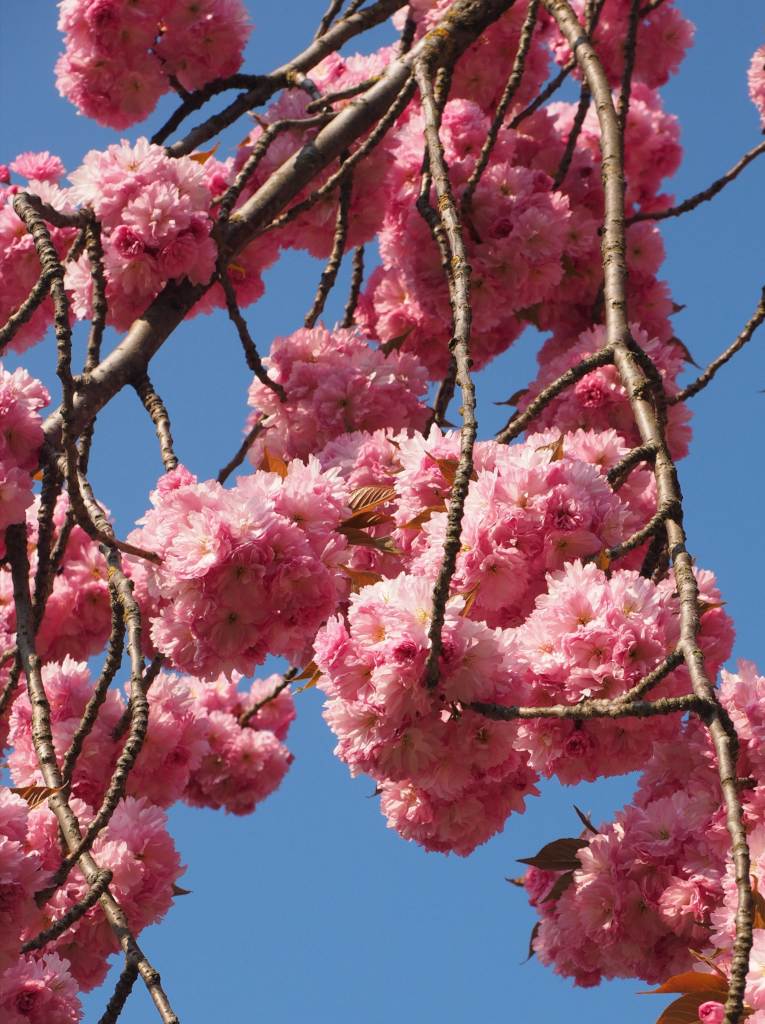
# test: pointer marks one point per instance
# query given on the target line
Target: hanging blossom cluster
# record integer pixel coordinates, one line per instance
(658, 881)
(154, 215)
(121, 56)
(335, 383)
(328, 552)
(19, 264)
(199, 748)
(21, 398)
(77, 616)
(756, 79)
(245, 572)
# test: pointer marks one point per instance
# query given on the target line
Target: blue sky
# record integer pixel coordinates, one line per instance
(311, 908)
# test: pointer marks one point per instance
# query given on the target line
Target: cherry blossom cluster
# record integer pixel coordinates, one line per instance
(19, 263)
(664, 38)
(155, 225)
(591, 636)
(77, 615)
(449, 777)
(335, 383)
(598, 401)
(120, 56)
(21, 398)
(658, 881)
(198, 748)
(244, 572)
(756, 78)
(195, 749)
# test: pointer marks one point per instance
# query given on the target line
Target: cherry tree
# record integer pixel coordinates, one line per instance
(480, 614)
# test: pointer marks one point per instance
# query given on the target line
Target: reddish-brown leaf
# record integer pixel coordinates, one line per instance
(586, 821)
(395, 343)
(364, 498)
(470, 597)
(534, 933)
(758, 918)
(691, 982)
(555, 448)
(364, 519)
(422, 517)
(35, 796)
(360, 577)
(203, 156)
(358, 537)
(310, 684)
(178, 891)
(515, 398)
(271, 463)
(603, 561)
(307, 672)
(560, 855)
(561, 884)
(684, 349)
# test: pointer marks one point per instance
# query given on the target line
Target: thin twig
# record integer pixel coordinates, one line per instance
(122, 990)
(157, 410)
(704, 196)
(518, 423)
(329, 274)
(357, 279)
(246, 716)
(248, 345)
(96, 890)
(704, 378)
(508, 94)
(641, 392)
(241, 453)
(459, 292)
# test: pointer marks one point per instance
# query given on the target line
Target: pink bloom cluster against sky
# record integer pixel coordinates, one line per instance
(326, 548)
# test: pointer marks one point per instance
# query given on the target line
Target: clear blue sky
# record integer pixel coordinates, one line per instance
(311, 908)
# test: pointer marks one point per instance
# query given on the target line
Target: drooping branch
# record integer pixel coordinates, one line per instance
(639, 390)
(464, 22)
(158, 413)
(42, 737)
(357, 279)
(518, 423)
(508, 94)
(329, 274)
(459, 294)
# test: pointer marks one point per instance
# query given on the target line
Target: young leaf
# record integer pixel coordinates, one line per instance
(555, 448)
(178, 891)
(203, 156)
(271, 463)
(422, 517)
(515, 398)
(534, 933)
(560, 855)
(561, 884)
(360, 577)
(364, 498)
(35, 796)
(470, 597)
(310, 684)
(307, 672)
(586, 821)
(692, 981)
